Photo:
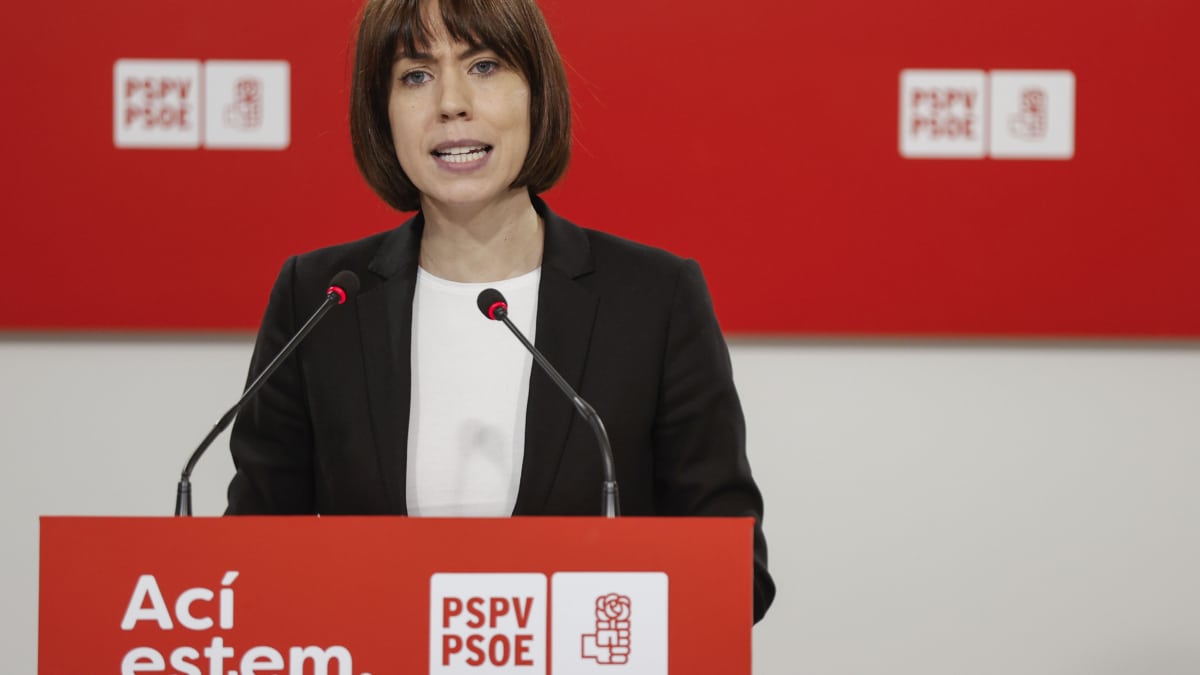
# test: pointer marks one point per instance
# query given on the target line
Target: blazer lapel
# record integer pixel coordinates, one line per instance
(385, 315)
(565, 314)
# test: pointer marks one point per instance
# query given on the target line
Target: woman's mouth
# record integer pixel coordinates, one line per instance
(463, 154)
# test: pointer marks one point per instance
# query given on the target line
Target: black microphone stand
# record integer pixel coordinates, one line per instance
(183, 495)
(610, 499)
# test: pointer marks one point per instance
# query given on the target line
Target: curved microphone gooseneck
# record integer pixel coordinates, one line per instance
(493, 305)
(342, 287)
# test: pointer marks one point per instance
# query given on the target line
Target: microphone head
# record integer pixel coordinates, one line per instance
(344, 284)
(492, 303)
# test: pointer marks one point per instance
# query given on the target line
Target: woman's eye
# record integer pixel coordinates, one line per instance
(415, 78)
(485, 67)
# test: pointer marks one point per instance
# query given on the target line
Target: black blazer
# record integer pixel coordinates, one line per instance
(630, 327)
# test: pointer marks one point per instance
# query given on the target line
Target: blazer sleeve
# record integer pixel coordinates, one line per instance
(701, 467)
(272, 440)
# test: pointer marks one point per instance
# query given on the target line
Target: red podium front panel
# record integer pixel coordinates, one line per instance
(382, 596)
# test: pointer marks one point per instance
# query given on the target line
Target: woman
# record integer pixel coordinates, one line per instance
(408, 401)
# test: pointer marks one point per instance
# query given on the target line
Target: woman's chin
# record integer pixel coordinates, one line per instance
(472, 199)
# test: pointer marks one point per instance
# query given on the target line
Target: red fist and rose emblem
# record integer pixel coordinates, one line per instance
(610, 643)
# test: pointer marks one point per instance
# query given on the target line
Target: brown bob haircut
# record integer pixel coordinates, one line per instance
(514, 29)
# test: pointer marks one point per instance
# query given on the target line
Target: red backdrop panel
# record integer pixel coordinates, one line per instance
(760, 140)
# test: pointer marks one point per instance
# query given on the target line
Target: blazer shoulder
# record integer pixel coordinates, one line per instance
(365, 257)
(581, 252)
(352, 255)
(617, 255)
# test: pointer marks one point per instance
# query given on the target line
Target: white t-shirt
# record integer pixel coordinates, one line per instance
(470, 389)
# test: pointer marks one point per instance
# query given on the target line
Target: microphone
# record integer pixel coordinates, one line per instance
(342, 287)
(493, 305)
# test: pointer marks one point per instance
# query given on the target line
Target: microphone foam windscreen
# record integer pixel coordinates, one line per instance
(488, 299)
(347, 281)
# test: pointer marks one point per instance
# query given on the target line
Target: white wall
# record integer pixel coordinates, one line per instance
(932, 508)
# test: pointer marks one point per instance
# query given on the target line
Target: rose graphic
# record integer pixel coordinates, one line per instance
(612, 607)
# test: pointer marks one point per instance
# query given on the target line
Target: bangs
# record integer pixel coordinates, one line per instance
(475, 23)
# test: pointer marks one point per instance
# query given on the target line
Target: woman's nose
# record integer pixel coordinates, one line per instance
(455, 99)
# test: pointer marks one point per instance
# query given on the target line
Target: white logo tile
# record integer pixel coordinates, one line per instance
(247, 104)
(487, 623)
(1033, 114)
(609, 622)
(156, 103)
(942, 113)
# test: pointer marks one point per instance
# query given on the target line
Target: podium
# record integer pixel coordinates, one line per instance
(306, 595)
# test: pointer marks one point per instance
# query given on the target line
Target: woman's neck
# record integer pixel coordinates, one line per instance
(478, 244)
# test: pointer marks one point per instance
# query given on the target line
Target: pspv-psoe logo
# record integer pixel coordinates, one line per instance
(487, 623)
(216, 104)
(497, 623)
(972, 114)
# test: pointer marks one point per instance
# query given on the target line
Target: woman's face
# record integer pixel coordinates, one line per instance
(460, 122)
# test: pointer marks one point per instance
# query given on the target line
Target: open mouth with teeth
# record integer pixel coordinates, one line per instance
(462, 155)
